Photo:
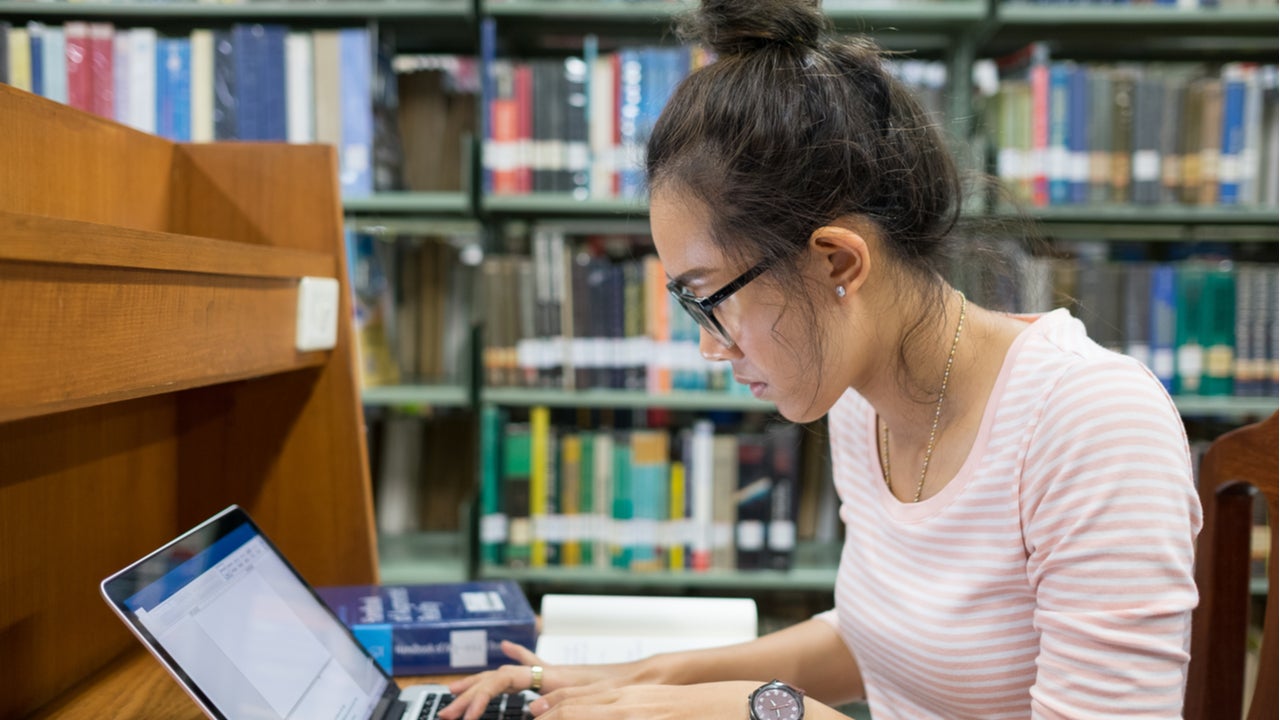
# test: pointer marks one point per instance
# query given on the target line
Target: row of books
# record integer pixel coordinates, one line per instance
(1203, 323)
(412, 299)
(575, 314)
(399, 122)
(645, 499)
(578, 125)
(1068, 133)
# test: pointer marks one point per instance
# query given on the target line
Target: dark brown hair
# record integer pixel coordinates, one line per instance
(792, 128)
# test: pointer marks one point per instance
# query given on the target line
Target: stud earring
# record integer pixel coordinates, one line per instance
(839, 291)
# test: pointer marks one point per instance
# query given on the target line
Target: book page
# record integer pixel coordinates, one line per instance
(592, 629)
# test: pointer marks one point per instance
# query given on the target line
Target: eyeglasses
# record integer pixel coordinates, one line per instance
(702, 310)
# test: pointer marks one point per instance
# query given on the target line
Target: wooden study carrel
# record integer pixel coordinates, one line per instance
(149, 378)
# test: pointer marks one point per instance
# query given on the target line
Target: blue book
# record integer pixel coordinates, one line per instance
(246, 55)
(355, 157)
(631, 89)
(173, 89)
(272, 94)
(1059, 133)
(36, 31)
(1234, 87)
(488, 91)
(1078, 135)
(447, 628)
(225, 97)
(1164, 323)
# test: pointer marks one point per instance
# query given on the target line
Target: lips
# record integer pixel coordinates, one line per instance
(757, 387)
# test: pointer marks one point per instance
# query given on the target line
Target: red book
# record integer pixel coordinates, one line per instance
(79, 66)
(102, 60)
(524, 128)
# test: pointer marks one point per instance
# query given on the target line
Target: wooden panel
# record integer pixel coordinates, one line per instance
(77, 336)
(84, 494)
(316, 474)
(64, 163)
(34, 238)
(135, 687)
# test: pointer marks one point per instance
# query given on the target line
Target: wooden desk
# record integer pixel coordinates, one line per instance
(137, 687)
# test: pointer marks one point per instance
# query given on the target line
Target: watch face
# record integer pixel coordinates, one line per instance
(777, 704)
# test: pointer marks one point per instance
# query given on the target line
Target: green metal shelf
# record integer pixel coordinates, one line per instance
(1258, 20)
(900, 12)
(417, 203)
(416, 395)
(414, 558)
(1236, 408)
(1155, 214)
(562, 205)
(816, 578)
(522, 397)
(354, 9)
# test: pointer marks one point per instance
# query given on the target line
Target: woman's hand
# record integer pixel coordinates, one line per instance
(474, 693)
(706, 701)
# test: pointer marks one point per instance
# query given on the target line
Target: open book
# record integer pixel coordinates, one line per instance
(592, 629)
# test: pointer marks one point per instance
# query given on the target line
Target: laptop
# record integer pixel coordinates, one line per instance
(247, 637)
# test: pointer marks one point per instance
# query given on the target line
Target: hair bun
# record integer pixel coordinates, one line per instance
(734, 27)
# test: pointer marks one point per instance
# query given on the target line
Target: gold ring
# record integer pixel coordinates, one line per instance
(535, 682)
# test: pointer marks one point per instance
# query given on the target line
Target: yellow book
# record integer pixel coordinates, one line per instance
(539, 439)
(675, 553)
(570, 515)
(20, 58)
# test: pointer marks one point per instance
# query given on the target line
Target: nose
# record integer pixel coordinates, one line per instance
(712, 349)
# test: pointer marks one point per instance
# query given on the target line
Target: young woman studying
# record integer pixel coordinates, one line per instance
(1018, 502)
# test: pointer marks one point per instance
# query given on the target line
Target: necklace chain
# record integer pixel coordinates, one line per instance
(937, 416)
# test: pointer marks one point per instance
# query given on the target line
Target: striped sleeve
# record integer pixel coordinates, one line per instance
(1110, 515)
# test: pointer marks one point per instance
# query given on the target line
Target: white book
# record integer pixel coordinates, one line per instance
(54, 56)
(600, 130)
(121, 76)
(142, 78)
(594, 629)
(300, 101)
(202, 54)
(701, 494)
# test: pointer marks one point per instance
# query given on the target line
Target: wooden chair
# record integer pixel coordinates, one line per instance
(1238, 465)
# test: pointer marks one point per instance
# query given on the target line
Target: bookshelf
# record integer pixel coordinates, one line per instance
(150, 378)
(955, 32)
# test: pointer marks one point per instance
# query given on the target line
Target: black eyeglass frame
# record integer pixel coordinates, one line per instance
(702, 310)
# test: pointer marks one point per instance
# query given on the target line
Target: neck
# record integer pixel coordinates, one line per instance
(905, 393)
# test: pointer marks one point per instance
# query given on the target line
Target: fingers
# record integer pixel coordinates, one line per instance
(474, 692)
(520, 653)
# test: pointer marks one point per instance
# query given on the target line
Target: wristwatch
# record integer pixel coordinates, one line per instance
(776, 701)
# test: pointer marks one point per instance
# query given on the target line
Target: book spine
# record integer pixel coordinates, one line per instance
(784, 449)
(5, 29)
(79, 66)
(102, 61)
(1164, 324)
(23, 56)
(539, 466)
(493, 521)
(1217, 326)
(650, 484)
(517, 463)
(678, 525)
(301, 101)
(623, 542)
(1230, 156)
(202, 85)
(225, 122)
(1188, 342)
(356, 156)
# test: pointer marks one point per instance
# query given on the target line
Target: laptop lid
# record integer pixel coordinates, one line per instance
(241, 630)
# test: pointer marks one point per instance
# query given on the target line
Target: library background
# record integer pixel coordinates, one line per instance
(535, 408)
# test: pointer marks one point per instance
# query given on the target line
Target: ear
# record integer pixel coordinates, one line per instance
(842, 254)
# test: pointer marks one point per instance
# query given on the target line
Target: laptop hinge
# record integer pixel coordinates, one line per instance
(389, 708)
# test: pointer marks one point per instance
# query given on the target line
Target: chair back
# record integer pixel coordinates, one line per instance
(1236, 467)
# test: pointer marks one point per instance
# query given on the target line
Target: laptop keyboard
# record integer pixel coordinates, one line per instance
(502, 707)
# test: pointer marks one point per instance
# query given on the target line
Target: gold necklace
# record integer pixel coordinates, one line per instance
(937, 415)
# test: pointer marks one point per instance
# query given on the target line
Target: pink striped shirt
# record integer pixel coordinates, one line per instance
(1052, 577)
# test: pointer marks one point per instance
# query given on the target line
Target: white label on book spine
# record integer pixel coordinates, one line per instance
(1190, 366)
(750, 535)
(1162, 363)
(782, 535)
(1146, 166)
(493, 528)
(467, 648)
(483, 602)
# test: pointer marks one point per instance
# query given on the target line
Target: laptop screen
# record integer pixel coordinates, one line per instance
(245, 631)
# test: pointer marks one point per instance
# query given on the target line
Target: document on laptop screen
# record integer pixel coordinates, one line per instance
(254, 639)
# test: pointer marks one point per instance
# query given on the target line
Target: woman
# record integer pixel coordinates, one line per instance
(1018, 502)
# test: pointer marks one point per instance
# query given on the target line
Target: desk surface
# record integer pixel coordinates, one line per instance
(137, 687)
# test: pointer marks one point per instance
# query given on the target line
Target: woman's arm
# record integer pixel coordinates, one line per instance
(810, 655)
